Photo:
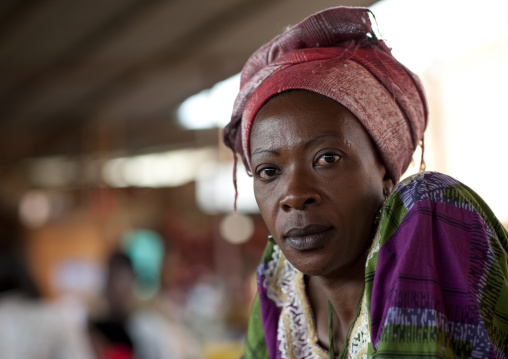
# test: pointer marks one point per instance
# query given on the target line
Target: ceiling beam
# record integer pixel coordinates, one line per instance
(27, 82)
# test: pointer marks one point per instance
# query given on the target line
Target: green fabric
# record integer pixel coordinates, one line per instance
(255, 344)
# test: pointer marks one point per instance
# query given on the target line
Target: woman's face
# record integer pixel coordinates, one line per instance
(318, 181)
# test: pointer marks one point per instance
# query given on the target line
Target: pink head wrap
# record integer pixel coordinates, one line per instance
(336, 54)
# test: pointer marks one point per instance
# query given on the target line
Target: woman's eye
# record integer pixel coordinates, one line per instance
(327, 159)
(267, 173)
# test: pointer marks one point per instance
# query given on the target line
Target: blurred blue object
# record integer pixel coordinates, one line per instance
(146, 251)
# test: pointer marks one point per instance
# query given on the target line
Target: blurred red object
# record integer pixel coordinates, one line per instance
(117, 352)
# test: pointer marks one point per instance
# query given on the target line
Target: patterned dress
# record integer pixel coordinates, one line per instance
(436, 284)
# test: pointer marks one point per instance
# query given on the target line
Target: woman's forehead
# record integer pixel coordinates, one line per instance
(300, 110)
(303, 118)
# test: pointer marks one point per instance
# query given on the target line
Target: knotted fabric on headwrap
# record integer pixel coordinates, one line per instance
(336, 54)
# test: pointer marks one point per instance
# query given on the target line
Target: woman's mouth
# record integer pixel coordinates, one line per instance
(308, 238)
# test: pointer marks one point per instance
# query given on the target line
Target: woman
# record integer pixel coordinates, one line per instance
(358, 264)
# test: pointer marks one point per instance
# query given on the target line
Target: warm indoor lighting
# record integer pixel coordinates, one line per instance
(34, 209)
(236, 229)
(167, 169)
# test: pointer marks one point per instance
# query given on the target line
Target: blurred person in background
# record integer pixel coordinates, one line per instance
(108, 324)
(123, 327)
(30, 327)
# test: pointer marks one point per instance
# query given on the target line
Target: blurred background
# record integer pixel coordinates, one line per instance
(110, 158)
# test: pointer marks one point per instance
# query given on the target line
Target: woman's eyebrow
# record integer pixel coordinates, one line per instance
(322, 137)
(307, 143)
(261, 150)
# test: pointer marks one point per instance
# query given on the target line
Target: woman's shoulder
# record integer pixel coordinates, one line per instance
(432, 198)
(425, 182)
(429, 200)
(439, 250)
(435, 187)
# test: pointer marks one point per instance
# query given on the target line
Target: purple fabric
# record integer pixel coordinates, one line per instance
(434, 261)
(270, 314)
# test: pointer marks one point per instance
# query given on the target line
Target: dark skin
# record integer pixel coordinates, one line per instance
(319, 182)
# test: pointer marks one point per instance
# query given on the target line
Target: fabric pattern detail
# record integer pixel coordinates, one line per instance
(336, 53)
(279, 276)
(296, 334)
(360, 334)
(293, 328)
(436, 281)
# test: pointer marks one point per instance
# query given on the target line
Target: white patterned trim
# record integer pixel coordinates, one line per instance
(285, 286)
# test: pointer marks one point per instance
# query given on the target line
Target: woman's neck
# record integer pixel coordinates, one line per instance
(344, 293)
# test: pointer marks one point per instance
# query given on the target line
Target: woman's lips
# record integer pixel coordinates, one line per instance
(310, 237)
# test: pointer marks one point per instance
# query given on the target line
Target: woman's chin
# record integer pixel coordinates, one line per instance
(314, 266)
(325, 263)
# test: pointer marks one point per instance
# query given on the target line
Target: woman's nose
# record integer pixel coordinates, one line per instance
(300, 193)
